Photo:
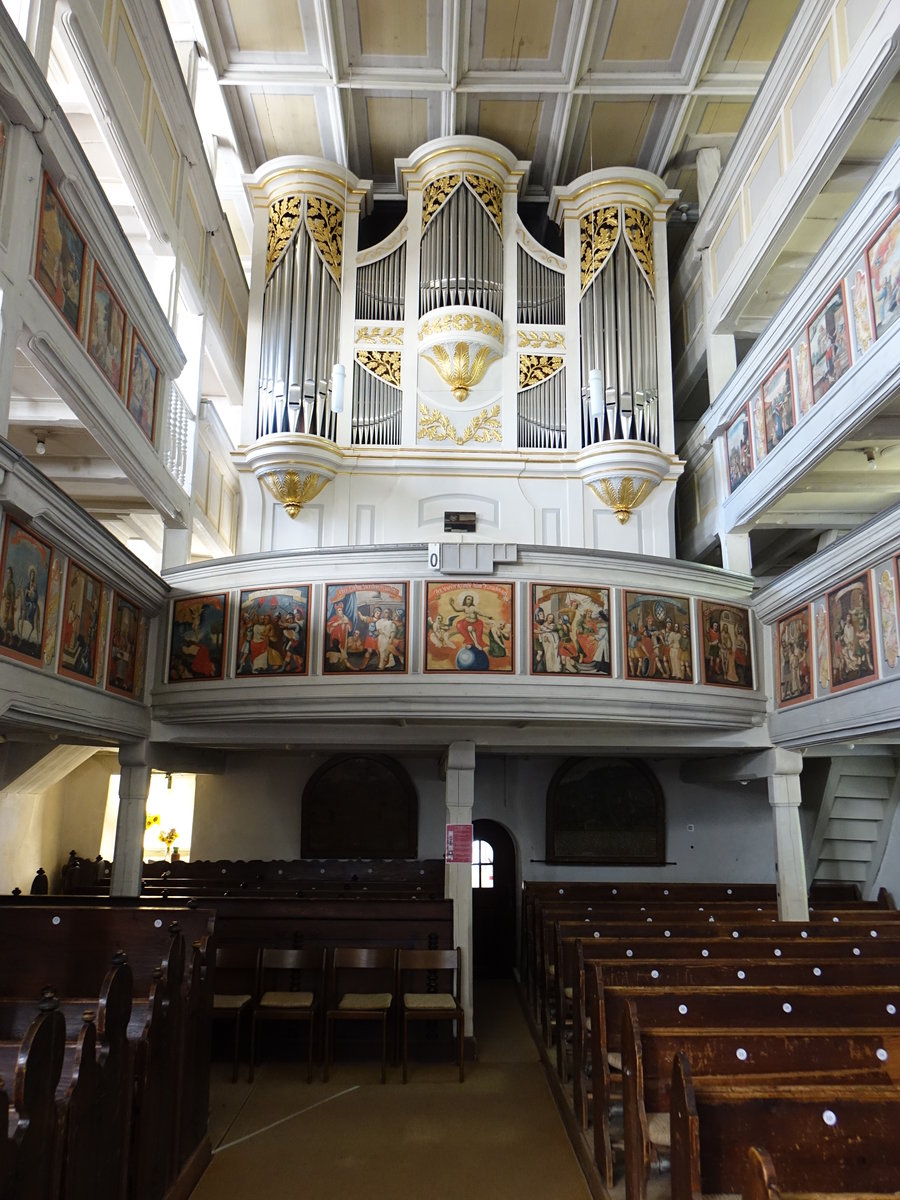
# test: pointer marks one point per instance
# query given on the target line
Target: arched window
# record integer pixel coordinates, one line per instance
(605, 810)
(359, 806)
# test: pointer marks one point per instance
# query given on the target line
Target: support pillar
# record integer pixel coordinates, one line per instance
(460, 796)
(790, 864)
(134, 786)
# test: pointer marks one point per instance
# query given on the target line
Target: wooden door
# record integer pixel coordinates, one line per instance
(493, 901)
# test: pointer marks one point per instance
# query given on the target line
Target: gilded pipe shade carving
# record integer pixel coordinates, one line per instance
(325, 223)
(599, 234)
(284, 217)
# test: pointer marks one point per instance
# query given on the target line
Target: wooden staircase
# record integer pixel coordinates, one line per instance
(859, 800)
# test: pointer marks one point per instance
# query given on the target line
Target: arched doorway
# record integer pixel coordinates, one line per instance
(493, 901)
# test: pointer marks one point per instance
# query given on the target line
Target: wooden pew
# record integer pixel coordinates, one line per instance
(823, 1141)
(855, 973)
(840, 1058)
(30, 1147)
(690, 1007)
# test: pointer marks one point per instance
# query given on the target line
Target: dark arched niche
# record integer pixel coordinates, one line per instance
(605, 810)
(359, 806)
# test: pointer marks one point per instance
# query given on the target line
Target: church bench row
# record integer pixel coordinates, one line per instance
(775, 974)
(98, 1094)
(539, 945)
(715, 918)
(70, 948)
(698, 1009)
(727, 941)
(820, 1141)
(841, 1058)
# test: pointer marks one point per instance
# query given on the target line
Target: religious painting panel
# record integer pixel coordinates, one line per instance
(793, 657)
(883, 256)
(23, 600)
(469, 627)
(658, 642)
(197, 647)
(106, 330)
(829, 344)
(142, 381)
(737, 444)
(850, 639)
(605, 810)
(570, 626)
(81, 625)
(778, 403)
(727, 657)
(121, 667)
(365, 628)
(860, 302)
(273, 632)
(59, 266)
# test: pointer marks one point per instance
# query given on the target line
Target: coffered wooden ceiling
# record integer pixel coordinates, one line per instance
(565, 84)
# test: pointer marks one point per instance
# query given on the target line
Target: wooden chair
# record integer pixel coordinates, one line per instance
(348, 965)
(424, 967)
(289, 988)
(235, 981)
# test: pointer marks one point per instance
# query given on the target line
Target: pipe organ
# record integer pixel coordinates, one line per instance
(459, 332)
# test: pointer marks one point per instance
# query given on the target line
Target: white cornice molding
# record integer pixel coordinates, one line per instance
(24, 94)
(39, 701)
(865, 711)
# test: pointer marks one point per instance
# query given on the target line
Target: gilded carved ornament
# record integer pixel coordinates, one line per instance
(436, 194)
(461, 372)
(491, 196)
(535, 368)
(437, 427)
(384, 364)
(599, 234)
(461, 323)
(325, 222)
(388, 336)
(284, 217)
(639, 231)
(541, 339)
(621, 495)
(292, 490)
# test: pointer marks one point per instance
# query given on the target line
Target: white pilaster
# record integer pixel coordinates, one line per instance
(460, 795)
(790, 866)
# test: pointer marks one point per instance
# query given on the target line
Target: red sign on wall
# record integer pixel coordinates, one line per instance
(459, 843)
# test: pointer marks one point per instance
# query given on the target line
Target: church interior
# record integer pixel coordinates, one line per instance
(413, 493)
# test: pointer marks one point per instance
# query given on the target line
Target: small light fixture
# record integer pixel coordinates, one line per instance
(869, 452)
(40, 443)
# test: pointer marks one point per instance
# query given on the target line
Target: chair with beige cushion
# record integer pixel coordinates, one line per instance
(362, 982)
(234, 984)
(430, 985)
(289, 989)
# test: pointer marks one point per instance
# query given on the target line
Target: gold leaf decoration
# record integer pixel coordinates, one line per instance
(541, 339)
(374, 333)
(599, 234)
(461, 323)
(625, 498)
(436, 194)
(325, 223)
(385, 364)
(639, 231)
(491, 196)
(284, 217)
(293, 490)
(459, 372)
(535, 368)
(484, 427)
(437, 427)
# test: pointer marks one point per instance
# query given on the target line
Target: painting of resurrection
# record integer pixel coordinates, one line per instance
(469, 627)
